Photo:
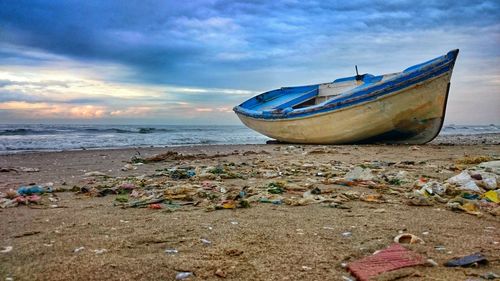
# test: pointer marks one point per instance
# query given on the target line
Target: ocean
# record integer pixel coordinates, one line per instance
(19, 138)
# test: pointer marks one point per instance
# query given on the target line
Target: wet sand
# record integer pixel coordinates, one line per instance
(262, 242)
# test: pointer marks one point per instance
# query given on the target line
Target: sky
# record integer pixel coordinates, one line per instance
(191, 62)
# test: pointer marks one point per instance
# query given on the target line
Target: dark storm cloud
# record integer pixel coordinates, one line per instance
(201, 42)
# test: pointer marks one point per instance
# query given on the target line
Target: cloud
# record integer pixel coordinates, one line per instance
(214, 54)
(65, 94)
(44, 110)
(204, 109)
(137, 111)
(176, 43)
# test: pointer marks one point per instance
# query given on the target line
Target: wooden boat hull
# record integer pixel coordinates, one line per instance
(406, 107)
(413, 115)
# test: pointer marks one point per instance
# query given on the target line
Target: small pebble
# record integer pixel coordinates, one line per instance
(304, 267)
(205, 241)
(183, 275)
(100, 251)
(79, 249)
(440, 248)
(347, 234)
(6, 249)
(490, 276)
(171, 251)
(220, 273)
(431, 262)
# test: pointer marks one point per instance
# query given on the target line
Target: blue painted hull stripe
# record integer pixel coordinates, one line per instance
(368, 92)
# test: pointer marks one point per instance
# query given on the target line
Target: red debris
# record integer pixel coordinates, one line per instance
(155, 206)
(20, 199)
(34, 198)
(392, 258)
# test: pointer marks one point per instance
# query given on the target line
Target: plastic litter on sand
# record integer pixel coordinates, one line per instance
(391, 258)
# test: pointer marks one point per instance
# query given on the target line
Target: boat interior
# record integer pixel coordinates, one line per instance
(288, 99)
(305, 96)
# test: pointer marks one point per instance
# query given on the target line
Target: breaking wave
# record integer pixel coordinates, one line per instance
(24, 131)
(17, 138)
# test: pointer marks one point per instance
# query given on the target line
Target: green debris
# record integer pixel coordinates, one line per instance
(136, 159)
(122, 198)
(217, 170)
(231, 175)
(277, 187)
(243, 204)
(178, 174)
(395, 181)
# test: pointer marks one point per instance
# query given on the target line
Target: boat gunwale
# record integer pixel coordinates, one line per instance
(351, 106)
(423, 73)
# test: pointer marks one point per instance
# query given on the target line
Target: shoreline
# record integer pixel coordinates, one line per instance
(449, 139)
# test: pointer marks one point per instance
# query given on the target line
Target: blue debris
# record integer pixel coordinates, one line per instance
(32, 189)
(470, 260)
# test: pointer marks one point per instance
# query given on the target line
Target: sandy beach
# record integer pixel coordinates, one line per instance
(249, 140)
(244, 212)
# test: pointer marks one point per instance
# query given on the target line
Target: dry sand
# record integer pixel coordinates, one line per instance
(263, 242)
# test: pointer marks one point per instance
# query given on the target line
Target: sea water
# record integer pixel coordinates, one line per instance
(18, 138)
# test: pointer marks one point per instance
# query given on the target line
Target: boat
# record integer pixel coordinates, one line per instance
(406, 107)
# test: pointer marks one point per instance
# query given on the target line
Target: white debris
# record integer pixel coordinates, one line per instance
(100, 251)
(434, 187)
(359, 173)
(94, 174)
(492, 166)
(171, 251)
(402, 176)
(464, 181)
(205, 241)
(305, 267)
(6, 249)
(183, 275)
(347, 234)
(79, 249)
(28, 169)
(128, 167)
(431, 262)
(490, 183)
